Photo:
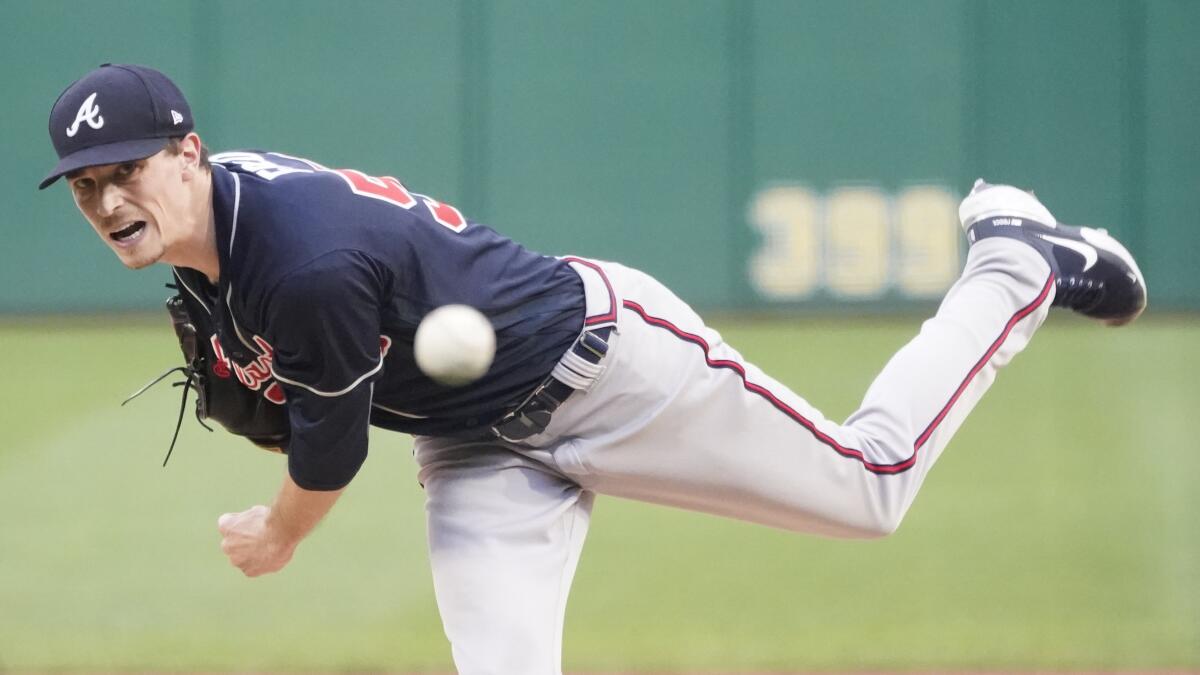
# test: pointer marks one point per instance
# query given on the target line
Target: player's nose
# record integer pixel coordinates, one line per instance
(111, 199)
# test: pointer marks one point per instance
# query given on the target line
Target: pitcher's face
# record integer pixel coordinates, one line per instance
(138, 208)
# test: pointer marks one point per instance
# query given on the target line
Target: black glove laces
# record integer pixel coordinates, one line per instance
(188, 383)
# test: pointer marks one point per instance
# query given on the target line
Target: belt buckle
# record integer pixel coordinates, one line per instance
(532, 416)
(528, 419)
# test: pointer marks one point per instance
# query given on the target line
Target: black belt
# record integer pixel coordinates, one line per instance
(533, 415)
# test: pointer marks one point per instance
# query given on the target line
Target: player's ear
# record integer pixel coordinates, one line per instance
(189, 152)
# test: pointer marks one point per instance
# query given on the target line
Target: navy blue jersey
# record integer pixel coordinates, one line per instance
(325, 275)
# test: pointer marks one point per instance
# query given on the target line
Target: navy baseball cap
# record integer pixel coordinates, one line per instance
(116, 113)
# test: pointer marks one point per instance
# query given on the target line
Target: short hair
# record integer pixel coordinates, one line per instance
(174, 147)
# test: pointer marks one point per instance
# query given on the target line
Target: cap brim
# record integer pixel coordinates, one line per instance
(112, 153)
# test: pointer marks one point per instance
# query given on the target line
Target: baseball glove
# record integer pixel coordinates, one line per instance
(220, 396)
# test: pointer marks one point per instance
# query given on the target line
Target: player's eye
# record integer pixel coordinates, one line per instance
(83, 185)
(126, 170)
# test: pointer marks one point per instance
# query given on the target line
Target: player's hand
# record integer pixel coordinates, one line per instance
(250, 543)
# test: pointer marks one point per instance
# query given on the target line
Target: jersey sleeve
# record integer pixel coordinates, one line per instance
(325, 325)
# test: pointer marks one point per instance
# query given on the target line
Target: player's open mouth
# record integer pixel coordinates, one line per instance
(130, 233)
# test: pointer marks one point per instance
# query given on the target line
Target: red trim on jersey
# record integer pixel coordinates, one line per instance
(609, 316)
(883, 469)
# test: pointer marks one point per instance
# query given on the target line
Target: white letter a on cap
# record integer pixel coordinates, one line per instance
(88, 112)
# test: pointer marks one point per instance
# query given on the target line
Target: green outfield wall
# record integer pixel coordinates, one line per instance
(749, 153)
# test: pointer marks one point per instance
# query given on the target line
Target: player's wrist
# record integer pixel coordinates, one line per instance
(296, 512)
(281, 535)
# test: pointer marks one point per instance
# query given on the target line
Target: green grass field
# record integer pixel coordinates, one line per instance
(1059, 531)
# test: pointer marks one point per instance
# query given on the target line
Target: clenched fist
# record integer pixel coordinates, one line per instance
(251, 544)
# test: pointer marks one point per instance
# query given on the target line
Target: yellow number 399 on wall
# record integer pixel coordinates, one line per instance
(856, 242)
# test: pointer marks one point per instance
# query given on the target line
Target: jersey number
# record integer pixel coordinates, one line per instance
(386, 189)
(390, 190)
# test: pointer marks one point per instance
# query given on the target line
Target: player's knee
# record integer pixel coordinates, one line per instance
(884, 526)
(884, 517)
(867, 521)
(886, 497)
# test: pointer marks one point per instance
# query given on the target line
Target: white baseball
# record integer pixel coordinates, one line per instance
(455, 344)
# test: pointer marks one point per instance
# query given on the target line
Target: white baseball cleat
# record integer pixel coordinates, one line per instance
(1093, 273)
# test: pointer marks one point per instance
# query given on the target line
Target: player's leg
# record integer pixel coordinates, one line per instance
(680, 418)
(694, 425)
(505, 533)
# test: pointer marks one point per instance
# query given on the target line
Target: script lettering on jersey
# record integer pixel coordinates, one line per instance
(258, 372)
(253, 375)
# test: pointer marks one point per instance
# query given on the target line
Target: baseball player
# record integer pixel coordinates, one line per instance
(604, 382)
